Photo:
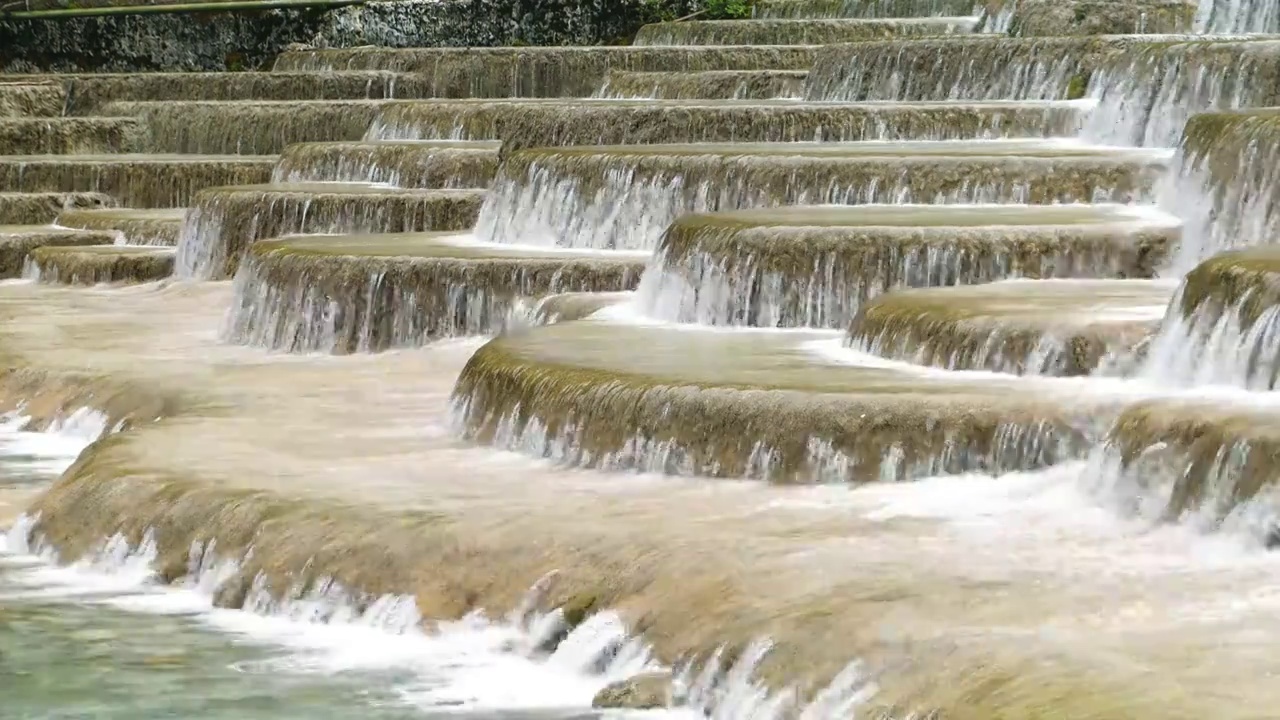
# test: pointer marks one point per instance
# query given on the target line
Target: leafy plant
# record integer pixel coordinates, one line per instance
(727, 10)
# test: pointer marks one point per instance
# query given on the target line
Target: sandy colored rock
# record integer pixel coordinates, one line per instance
(1100, 17)
(34, 98)
(799, 9)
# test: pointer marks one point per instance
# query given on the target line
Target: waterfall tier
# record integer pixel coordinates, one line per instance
(403, 163)
(223, 222)
(132, 227)
(336, 293)
(795, 32)
(39, 208)
(709, 84)
(18, 241)
(815, 266)
(72, 135)
(625, 196)
(1046, 327)
(139, 181)
(96, 264)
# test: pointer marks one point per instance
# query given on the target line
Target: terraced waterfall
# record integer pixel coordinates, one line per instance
(865, 358)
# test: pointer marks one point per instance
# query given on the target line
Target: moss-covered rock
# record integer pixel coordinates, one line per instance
(17, 242)
(40, 208)
(647, 691)
(138, 181)
(795, 32)
(95, 264)
(132, 226)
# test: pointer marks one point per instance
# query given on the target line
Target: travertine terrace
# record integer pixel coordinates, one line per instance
(931, 337)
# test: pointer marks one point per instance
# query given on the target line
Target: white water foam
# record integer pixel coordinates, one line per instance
(53, 450)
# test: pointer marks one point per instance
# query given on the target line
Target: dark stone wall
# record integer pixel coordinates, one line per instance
(249, 39)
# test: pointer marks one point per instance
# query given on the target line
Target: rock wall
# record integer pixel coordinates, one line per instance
(249, 39)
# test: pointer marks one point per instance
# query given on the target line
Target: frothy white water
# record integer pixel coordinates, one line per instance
(476, 663)
(53, 450)
(1216, 346)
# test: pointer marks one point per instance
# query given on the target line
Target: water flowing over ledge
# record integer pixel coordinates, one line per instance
(132, 227)
(17, 242)
(624, 197)
(370, 293)
(224, 222)
(135, 181)
(816, 266)
(528, 124)
(409, 164)
(97, 264)
(40, 208)
(710, 84)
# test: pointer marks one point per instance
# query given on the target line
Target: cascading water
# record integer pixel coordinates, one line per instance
(1003, 309)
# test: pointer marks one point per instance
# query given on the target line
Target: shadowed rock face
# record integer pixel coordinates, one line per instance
(344, 294)
(131, 226)
(139, 181)
(249, 127)
(71, 135)
(626, 196)
(1060, 327)
(542, 71)
(817, 266)
(538, 124)
(95, 264)
(710, 85)
(17, 241)
(408, 164)
(795, 32)
(223, 222)
(40, 208)
(31, 99)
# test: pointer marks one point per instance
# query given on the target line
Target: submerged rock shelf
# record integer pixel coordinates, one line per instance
(141, 181)
(403, 163)
(710, 84)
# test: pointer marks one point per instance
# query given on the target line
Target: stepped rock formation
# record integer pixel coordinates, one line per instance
(955, 322)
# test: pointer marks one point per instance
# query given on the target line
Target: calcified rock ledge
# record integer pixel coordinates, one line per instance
(1229, 181)
(403, 163)
(816, 266)
(626, 196)
(136, 181)
(71, 135)
(223, 222)
(796, 32)
(30, 99)
(1209, 464)
(711, 84)
(247, 127)
(542, 71)
(574, 392)
(39, 208)
(133, 227)
(17, 241)
(1100, 17)
(1228, 308)
(96, 264)
(343, 293)
(539, 124)
(1047, 327)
